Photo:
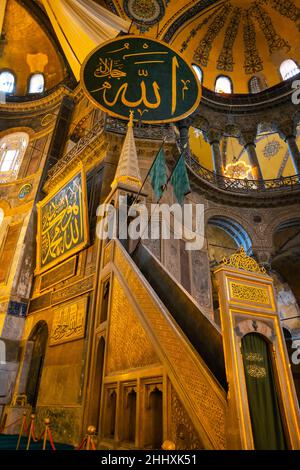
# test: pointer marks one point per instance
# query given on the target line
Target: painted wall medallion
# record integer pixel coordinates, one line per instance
(143, 75)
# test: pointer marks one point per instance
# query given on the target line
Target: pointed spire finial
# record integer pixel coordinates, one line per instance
(131, 116)
(128, 168)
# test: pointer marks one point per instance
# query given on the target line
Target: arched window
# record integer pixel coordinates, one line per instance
(255, 85)
(1, 216)
(7, 82)
(288, 69)
(198, 72)
(12, 150)
(36, 83)
(223, 85)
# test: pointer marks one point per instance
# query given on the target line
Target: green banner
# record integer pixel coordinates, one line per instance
(143, 75)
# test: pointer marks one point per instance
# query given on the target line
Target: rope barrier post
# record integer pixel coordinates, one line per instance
(32, 418)
(91, 430)
(23, 425)
(47, 423)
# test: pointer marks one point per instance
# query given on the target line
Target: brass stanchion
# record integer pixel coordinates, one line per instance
(90, 445)
(31, 430)
(47, 424)
(23, 425)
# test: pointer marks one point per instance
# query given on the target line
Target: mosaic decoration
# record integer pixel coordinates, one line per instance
(271, 149)
(274, 40)
(203, 51)
(225, 60)
(146, 12)
(25, 190)
(288, 9)
(253, 62)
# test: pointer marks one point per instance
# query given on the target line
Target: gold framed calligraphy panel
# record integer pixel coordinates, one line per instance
(62, 223)
(69, 321)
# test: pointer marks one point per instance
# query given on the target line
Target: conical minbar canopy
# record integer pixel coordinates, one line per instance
(128, 168)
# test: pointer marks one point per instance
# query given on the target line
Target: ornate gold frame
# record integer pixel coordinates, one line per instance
(111, 113)
(77, 170)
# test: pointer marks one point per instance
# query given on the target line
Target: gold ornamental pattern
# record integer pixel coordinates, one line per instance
(249, 293)
(241, 260)
(203, 395)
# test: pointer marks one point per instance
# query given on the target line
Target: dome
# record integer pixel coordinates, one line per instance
(240, 39)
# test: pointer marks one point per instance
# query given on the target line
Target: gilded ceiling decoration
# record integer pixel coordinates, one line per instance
(252, 60)
(225, 60)
(202, 53)
(274, 40)
(239, 38)
(144, 12)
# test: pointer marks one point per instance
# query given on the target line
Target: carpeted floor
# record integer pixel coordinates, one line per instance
(9, 442)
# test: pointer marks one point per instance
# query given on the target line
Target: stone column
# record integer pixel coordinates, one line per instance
(248, 141)
(287, 132)
(213, 137)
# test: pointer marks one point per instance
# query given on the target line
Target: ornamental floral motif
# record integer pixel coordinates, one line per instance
(253, 62)
(241, 260)
(288, 9)
(271, 149)
(203, 51)
(274, 40)
(225, 60)
(147, 12)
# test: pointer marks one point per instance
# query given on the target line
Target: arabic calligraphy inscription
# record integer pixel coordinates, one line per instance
(144, 75)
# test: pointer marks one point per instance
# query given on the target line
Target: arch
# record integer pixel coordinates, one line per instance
(263, 395)
(39, 338)
(130, 416)
(36, 83)
(12, 150)
(255, 85)
(7, 81)
(198, 72)
(223, 84)
(154, 419)
(234, 230)
(288, 68)
(97, 385)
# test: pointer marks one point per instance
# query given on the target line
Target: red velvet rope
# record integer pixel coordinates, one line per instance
(93, 444)
(51, 439)
(81, 443)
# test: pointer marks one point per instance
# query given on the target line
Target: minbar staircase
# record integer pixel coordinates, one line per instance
(187, 343)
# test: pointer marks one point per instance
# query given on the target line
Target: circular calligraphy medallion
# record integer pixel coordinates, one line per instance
(146, 12)
(143, 75)
(25, 190)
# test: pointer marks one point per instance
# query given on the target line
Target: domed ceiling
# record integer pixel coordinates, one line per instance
(28, 49)
(237, 38)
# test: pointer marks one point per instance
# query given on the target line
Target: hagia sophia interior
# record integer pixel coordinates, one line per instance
(149, 345)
